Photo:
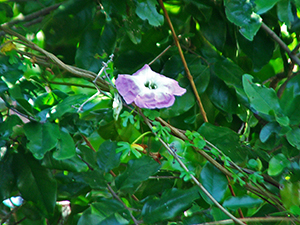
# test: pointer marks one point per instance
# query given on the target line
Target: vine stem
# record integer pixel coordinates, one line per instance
(125, 206)
(293, 57)
(192, 176)
(252, 220)
(188, 73)
(141, 136)
(73, 70)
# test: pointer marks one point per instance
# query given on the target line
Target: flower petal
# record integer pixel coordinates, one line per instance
(127, 88)
(148, 89)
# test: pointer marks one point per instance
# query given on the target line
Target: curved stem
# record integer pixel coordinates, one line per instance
(192, 176)
(293, 57)
(252, 220)
(141, 136)
(188, 73)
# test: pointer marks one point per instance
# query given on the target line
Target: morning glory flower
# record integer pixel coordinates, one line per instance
(148, 89)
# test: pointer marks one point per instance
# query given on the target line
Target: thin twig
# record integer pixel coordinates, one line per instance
(188, 73)
(163, 52)
(34, 15)
(78, 72)
(192, 176)
(125, 206)
(252, 220)
(293, 57)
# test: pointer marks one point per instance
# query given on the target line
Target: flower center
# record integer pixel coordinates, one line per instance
(149, 84)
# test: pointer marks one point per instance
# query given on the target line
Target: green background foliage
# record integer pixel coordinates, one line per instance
(78, 159)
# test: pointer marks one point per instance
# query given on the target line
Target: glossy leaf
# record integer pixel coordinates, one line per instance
(68, 105)
(242, 14)
(231, 74)
(225, 139)
(284, 11)
(259, 50)
(292, 109)
(95, 179)
(263, 6)
(267, 131)
(95, 47)
(277, 164)
(293, 137)
(35, 183)
(106, 211)
(245, 201)
(221, 96)
(107, 158)
(74, 164)
(138, 170)
(10, 72)
(214, 181)
(147, 10)
(171, 203)
(262, 99)
(65, 146)
(6, 178)
(42, 137)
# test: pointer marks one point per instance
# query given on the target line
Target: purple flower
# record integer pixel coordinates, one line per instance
(148, 89)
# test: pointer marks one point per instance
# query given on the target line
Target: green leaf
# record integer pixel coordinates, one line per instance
(259, 50)
(35, 182)
(106, 211)
(95, 47)
(107, 158)
(262, 99)
(214, 181)
(289, 193)
(127, 117)
(95, 179)
(267, 131)
(241, 13)
(74, 164)
(221, 96)
(214, 30)
(7, 179)
(65, 146)
(171, 204)
(226, 140)
(42, 137)
(245, 201)
(68, 22)
(292, 109)
(231, 74)
(146, 10)
(181, 105)
(201, 12)
(138, 170)
(68, 105)
(293, 137)
(10, 72)
(277, 164)
(263, 6)
(284, 11)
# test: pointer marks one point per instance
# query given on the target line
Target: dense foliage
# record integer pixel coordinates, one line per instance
(76, 153)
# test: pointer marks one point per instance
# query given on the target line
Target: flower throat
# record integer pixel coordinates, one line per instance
(150, 85)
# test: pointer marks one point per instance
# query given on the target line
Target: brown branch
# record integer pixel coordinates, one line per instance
(183, 166)
(103, 85)
(188, 73)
